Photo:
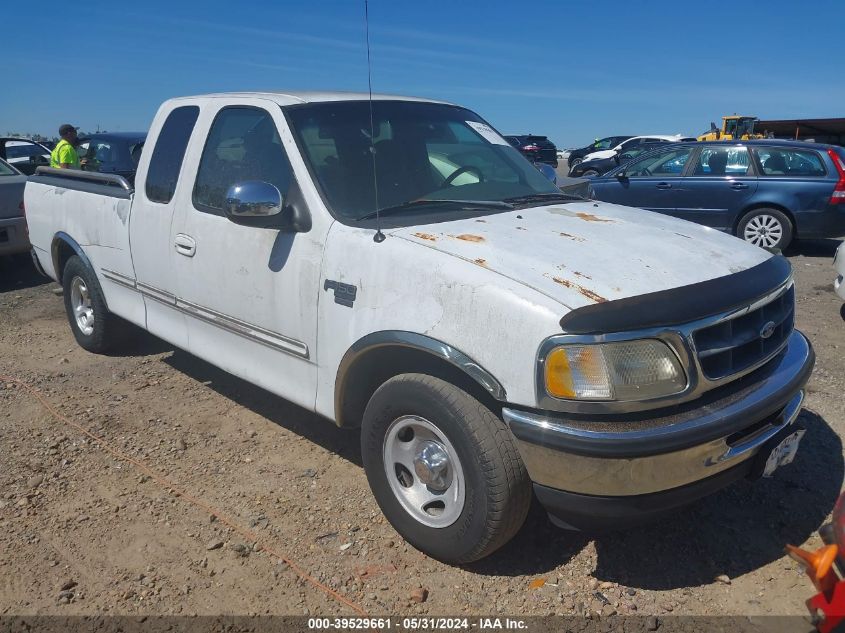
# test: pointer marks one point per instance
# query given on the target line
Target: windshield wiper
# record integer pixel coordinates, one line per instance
(544, 197)
(464, 204)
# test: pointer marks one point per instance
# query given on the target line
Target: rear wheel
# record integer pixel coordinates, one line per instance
(767, 228)
(443, 468)
(93, 326)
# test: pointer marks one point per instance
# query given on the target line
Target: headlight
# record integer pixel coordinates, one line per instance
(627, 370)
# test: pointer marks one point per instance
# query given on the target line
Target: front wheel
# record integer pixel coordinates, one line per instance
(574, 162)
(443, 468)
(767, 228)
(590, 173)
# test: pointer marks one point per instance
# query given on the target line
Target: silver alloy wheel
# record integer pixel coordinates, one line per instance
(763, 230)
(80, 301)
(424, 471)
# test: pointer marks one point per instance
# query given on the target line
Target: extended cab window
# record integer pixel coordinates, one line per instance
(169, 150)
(789, 162)
(243, 144)
(663, 164)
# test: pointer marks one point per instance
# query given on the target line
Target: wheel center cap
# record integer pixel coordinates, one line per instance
(431, 464)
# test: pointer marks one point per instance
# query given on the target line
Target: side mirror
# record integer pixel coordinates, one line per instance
(621, 175)
(254, 203)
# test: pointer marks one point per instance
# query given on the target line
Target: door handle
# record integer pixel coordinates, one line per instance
(738, 185)
(664, 185)
(185, 245)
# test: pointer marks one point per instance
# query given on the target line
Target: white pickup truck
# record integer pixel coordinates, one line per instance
(495, 338)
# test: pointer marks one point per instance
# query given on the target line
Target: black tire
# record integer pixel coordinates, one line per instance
(575, 161)
(590, 173)
(498, 490)
(105, 328)
(766, 216)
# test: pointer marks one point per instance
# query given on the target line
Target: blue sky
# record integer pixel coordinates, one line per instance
(572, 71)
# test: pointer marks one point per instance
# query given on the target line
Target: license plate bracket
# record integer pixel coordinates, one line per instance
(783, 453)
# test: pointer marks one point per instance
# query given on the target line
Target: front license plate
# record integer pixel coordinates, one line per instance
(783, 453)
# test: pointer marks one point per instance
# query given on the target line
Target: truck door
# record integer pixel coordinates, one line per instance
(150, 225)
(250, 294)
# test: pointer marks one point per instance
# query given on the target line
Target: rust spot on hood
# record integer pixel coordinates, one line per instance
(589, 217)
(484, 221)
(573, 237)
(581, 275)
(592, 296)
(521, 228)
(469, 237)
(481, 262)
(426, 236)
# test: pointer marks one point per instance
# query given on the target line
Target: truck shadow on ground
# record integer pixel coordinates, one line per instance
(314, 428)
(18, 273)
(733, 532)
(813, 248)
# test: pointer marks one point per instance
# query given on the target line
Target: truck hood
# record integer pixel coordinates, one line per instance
(589, 252)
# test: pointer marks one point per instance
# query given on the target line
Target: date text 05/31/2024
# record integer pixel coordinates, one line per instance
(417, 624)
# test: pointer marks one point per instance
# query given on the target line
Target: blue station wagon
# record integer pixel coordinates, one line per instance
(767, 192)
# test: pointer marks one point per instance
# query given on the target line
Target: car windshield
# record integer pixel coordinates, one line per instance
(427, 157)
(24, 150)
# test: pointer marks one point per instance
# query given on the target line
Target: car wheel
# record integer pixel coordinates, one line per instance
(443, 468)
(93, 326)
(574, 161)
(590, 173)
(767, 228)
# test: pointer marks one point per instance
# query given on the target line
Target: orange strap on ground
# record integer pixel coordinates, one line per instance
(246, 533)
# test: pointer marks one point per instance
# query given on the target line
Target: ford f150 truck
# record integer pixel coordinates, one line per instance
(396, 264)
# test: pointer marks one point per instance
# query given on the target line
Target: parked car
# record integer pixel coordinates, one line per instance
(23, 154)
(839, 264)
(599, 166)
(13, 235)
(633, 142)
(537, 149)
(112, 153)
(577, 155)
(563, 154)
(765, 191)
(447, 322)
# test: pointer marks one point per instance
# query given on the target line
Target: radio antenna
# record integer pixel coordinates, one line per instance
(378, 238)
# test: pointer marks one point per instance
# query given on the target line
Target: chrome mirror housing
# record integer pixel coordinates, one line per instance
(253, 199)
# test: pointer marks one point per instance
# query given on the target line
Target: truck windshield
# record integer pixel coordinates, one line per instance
(428, 154)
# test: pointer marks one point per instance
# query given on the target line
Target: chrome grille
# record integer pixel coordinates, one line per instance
(737, 344)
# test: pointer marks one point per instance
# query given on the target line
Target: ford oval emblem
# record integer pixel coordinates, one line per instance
(767, 330)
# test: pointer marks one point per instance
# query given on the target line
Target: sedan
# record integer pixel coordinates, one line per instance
(23, 154)
(766, 191)
(13, 235)
(599, 166)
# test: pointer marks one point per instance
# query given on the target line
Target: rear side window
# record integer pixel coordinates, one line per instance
(243, 144)
(723, 161)
(168, 153)
(781, 161)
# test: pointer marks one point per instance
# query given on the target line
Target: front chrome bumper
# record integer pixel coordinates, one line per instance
(627, 458)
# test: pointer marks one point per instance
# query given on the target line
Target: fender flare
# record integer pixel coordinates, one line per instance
(58, 238)
(418, 342)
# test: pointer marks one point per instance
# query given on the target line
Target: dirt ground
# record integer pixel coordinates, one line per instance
(84, 532)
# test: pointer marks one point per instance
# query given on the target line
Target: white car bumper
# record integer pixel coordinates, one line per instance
(839, 264)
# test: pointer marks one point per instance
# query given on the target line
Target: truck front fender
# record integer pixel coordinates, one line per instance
(402, 352)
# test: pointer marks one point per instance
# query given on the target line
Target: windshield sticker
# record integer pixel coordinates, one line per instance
(489, 134)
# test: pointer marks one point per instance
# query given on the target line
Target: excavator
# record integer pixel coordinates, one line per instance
(734, 127)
